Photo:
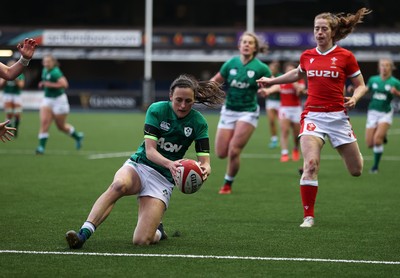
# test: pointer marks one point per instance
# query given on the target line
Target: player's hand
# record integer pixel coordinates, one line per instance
(173, 166)
(264, 82)
(5, 131)
(350, 102)
(205, 170)
(27, 48)
(262, 92)
(41, 84)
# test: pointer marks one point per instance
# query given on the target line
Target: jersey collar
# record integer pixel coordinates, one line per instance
(326, 52)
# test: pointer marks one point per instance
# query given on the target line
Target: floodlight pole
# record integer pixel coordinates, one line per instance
(250, 16)
(148, 91)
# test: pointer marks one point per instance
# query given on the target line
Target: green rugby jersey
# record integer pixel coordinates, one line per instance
(52, 75)
(11, 86)
(381, 96)
(173, 135)
(241, 81)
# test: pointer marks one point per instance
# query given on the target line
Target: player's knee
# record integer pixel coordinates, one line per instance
(119, 186)
(141, 240)
(356, 172)
(221, 153)
(234, 151)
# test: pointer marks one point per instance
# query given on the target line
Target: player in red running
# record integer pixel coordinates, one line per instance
(289, 112)
(327, 67)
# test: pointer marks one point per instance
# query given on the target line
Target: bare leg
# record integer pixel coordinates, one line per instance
(151, 211)
(61, 123)
(311, 148)
(222, 140)
(352, 158)
(126, 182)
(241, 136)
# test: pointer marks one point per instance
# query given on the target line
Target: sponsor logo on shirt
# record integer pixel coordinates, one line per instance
(323, 73)
(233, 72)
(379, 96)
(165, 126)
(312, 60)
(168, 146)
(238, 84)
(188, 131)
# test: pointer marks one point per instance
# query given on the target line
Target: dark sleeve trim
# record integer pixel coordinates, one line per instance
(151, 131)
(202, 146)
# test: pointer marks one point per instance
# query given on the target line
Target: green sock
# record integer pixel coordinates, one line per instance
(75, 135)
(16, 122)
(377, 159)
(86, 232)
(42, 142)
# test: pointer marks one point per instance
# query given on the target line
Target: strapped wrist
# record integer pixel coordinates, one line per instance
(24, 61)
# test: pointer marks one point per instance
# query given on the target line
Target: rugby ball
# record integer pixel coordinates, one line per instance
(188, 177)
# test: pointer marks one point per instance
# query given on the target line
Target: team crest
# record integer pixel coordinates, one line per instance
(188, 131)
(311, 127)
(233, 72)
(251, 73)
(388, 87)
(334, 60)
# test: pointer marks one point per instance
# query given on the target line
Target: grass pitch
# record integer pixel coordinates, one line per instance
(41, 197)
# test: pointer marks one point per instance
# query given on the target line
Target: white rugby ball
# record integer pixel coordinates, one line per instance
(188, 177)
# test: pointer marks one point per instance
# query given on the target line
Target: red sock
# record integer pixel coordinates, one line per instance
(308, 196)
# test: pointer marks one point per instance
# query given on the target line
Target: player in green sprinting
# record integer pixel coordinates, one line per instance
(12, 98)
(240, 113)
(55, 104)
(170, 128)
(380, 112)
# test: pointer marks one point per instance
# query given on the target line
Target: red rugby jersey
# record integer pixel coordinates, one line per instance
(326, 76)
(288, 94)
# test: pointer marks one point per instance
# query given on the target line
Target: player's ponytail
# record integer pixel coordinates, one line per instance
(209, 93)
(343, 24)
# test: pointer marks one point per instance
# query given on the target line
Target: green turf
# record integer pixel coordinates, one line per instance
(41, 197)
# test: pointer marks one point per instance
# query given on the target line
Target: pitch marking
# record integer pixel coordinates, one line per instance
(198, 257)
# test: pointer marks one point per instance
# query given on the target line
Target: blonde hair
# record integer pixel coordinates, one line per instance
(261, 46)
(53, 59)
(343, 24)
(209, 93)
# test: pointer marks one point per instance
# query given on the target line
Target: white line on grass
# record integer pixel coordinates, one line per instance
(197, 257)
(96, 155)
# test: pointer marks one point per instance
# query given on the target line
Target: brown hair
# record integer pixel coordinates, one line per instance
(261, 46)
(209, 93)
(343, 24)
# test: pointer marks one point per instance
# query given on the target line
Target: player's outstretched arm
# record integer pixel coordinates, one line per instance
(289, 77)
(27, 49)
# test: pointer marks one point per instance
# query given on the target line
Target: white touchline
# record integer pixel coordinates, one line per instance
(197, 257)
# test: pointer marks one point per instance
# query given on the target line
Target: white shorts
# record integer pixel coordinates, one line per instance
(16, 99)
(59, 105)
(335, 125)
(374, 118)
(291, 113)
(272, 104)
(229, 118)
(153, 183)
